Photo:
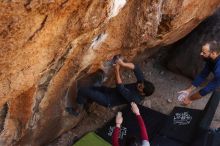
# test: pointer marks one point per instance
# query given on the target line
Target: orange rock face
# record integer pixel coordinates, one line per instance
(47, 44)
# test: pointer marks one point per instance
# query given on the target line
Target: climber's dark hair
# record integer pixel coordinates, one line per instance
(148, 88)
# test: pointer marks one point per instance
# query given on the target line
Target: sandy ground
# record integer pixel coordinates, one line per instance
(163, 100)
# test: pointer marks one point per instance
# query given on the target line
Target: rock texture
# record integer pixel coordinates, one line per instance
(47, 44)
(189, 47)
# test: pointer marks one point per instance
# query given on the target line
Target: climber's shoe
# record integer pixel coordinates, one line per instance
(74, 111)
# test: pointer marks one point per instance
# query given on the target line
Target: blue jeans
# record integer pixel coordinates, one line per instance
(105, 96)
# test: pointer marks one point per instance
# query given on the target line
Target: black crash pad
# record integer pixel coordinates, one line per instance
(154, 121)
(207, 138)
(182, 124)
(165, 141)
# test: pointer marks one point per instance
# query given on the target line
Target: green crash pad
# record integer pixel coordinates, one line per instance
(91, 139)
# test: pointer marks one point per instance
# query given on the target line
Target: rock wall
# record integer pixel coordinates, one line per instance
(47, 44)
(189, 47)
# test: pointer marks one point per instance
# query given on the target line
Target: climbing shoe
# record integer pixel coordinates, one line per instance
(74, 111)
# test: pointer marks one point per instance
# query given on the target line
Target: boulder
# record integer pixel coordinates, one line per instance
(184, 56)
(45, 45)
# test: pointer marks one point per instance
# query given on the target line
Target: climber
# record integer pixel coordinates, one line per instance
(211, 54)
(121, 94)
(131, 141)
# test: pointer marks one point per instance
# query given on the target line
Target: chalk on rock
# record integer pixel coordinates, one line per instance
(169, 100)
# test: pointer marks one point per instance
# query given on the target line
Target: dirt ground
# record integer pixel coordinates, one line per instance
(163, 100)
